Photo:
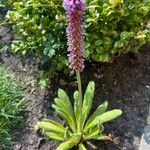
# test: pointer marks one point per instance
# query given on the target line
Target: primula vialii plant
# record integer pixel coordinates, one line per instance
(79, 127)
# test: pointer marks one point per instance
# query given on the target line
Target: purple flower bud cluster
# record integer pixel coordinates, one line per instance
(74, 9)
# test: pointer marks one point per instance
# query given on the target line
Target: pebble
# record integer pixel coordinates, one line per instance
(116, 140)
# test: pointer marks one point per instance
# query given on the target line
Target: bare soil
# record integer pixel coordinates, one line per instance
(125, 84)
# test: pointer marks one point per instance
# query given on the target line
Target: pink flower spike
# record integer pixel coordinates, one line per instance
(74, 9)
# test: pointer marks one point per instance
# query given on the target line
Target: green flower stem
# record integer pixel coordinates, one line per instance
(80, 100)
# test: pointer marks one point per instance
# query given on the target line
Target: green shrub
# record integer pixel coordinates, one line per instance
(112, 26)
(116, 26)
(10, 96)
(41, 24)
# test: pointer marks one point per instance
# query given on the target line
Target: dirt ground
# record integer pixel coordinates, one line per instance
(125, 84)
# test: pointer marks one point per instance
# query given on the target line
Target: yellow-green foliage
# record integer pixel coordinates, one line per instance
(112, 26)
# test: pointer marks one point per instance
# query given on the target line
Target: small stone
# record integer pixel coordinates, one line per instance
(124, 148)
(144, 145)
(31, 140)
(92, 145)
(3, 31)
(147, 86)
(116, 140)
(147, 134)
(111, 135)
(128, 145)
(36, 128)
(115, 83)
(18, 147)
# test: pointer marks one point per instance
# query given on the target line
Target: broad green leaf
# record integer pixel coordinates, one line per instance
(54, 136)
(100, 110)
(62, 105)
(63, 112)
(82, 147)
(50, 125)
(66, 104)
(87, 102)
(107, 116)
(64, 97)
(66, 145)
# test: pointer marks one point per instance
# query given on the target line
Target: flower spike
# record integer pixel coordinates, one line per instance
(74, 9)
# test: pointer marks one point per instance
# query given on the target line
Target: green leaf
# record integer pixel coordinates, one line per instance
(64, 105)
(100, 110)
(55, 136)
(51, 126)
(93, 7)
(87, 102)
(64, 113)
(98, 42)
(61, 113)
(61, 104)
(107, 116)
(124, 35)
(82, 147)
(104, 57)
(118, 44)
(91, 20)
(64, 97)
(66, 145)
(115, 2)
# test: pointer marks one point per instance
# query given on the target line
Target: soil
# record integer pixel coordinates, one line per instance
(125, 84)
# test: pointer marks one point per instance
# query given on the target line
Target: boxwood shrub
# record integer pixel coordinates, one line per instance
(112, 27)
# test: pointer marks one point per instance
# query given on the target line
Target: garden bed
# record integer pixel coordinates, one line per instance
(125, 84)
